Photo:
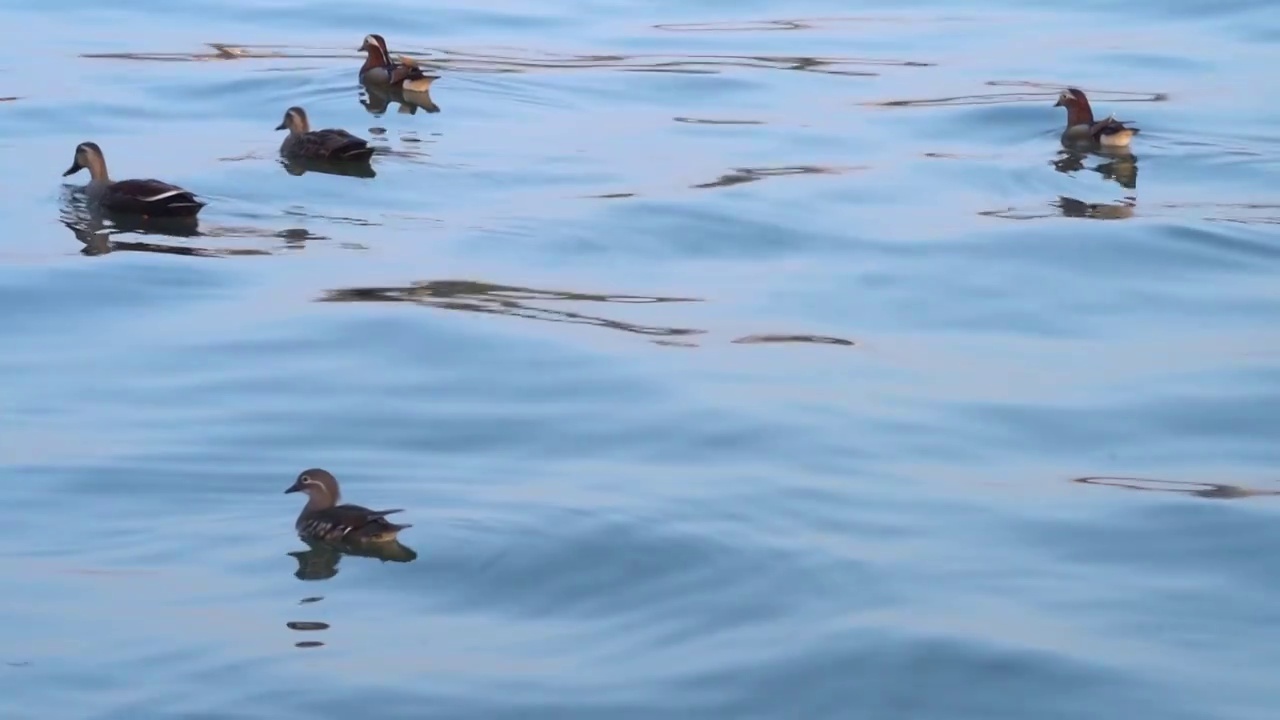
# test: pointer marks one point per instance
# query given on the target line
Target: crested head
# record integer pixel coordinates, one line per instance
(1077, 105)
(375, 43)
(320, 486)
(295, 120)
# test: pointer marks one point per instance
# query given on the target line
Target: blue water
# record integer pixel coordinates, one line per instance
(750, 360)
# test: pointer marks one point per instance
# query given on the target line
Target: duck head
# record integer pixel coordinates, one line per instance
(320, 486)
(376, 46)
(295, 120)
(88, 156)
(1078, 109)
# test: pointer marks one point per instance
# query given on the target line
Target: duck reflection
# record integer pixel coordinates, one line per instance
(97, 229)
(483, 297)
(1215, 491)
(378, 99)
(1071, 207)
(320, 561)
(1120, 167)
(302, 166)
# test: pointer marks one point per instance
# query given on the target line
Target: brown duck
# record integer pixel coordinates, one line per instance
(150, 198)
(1082, 129)
(380, 69)
(324, 520)
(303, 143)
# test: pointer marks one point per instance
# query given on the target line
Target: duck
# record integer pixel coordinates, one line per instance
(146, 197)
(380, 70)
(324, 520)
(1082, 129)
(329, 144)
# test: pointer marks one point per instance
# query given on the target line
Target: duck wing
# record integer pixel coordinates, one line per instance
(151, 197)
(1111, 126)
(332, 144)
(411, 77)
(351, 523)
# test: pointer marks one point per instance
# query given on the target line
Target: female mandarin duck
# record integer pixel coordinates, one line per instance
(380, 69)
(324, 520)
(1083, 130)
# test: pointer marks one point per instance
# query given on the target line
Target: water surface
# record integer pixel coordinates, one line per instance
(754, 362)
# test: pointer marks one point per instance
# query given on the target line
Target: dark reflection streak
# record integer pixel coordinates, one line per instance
(784, 25)
(7, 99)
(378, 100)
(96, 228)
(815, 339)
(464, 62)
(746, 175)
(1068, 207)
(702, 121)
(1216, 491)
(487, 298)
(301, 166)
(1050, 92)
(1121, 167)
(320, 561)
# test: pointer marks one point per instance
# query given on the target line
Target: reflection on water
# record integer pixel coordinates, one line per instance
(816, 339)
(1069, 207)
(456, 61)
(750, 26)
(705, 121)
(1215, 491)
(514, 301)
(96, 230)
(1048, 91)
(301, 166)
(377, 99)
(307, 626)
(511, 300)
(746, 175)
(320, 561)
(1121, 167)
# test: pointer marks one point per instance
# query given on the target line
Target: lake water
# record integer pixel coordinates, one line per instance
(752, 360)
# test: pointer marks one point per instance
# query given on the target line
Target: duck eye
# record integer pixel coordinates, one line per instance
(305, 479)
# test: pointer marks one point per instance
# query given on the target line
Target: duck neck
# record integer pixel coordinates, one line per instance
(375, 59)
(319, 500)
(97, 168)
(1079, 113)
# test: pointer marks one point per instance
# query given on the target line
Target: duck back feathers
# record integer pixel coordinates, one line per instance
(348, 524)
(150, 197)
(327, 144)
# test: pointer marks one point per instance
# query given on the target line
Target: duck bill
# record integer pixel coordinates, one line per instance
(75, 168)
(292, 489)
(281, 126)
(1059, 103)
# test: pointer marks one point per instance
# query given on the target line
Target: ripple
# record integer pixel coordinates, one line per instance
(1216, 491)
(815, 339)
(530, 60)
(740, 176)
(798, 23)
(1051, 92)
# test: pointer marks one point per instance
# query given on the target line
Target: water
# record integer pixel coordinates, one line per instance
(743, 361)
